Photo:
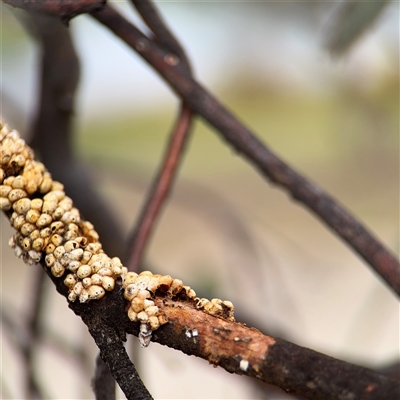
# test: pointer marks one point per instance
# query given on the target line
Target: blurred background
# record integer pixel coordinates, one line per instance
(226, 231)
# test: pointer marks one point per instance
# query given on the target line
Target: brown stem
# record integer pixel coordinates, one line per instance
(236, 348)
(243, 140)
(160, 190)
(246, 351)
(110, 342)
(163, 182)
(163, 34)
(200, 101)
(63, 9)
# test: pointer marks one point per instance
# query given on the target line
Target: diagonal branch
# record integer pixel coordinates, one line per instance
(107, 336)
(243, 140)
(52, 129)
(162, 33)
(52, 137)
(63, 9)
(238, 349)
(177, 317)
(315, 198)
(160, 190)
(163, 182)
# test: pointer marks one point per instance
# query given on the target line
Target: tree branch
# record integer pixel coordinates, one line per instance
(160, 190)
(163, 182)
(238, 349)
(244, 141)
(63, 9)
(162, 33)
(53, 133)
(53, 136)
(185, 326)
(108, 339)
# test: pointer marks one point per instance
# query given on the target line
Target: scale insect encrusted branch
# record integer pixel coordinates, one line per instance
(48, 225)
(51, 231)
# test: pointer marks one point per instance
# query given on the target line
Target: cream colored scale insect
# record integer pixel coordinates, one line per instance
(141, 288)
(47, 225)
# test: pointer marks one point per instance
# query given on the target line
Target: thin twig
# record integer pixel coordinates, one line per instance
(163, 34)
(200, 101)
(263, 159)
(26, 335)
(103, 384)
(247, 351)
(32, 387)
(163, 182)
(63, 9)
(160, 190)
(109, 338)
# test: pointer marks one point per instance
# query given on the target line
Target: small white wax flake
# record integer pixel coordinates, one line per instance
(188, 333)
(144, 335)
(195, 333)
(244, 365)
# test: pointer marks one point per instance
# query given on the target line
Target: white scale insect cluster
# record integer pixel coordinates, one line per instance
(48, 225)
(140, 290)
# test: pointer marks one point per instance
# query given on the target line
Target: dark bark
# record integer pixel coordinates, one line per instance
(295, 369)
(60, 9)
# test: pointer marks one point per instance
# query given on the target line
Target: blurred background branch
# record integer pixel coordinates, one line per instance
(162, 184)
(63, 9)
(159, 190)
